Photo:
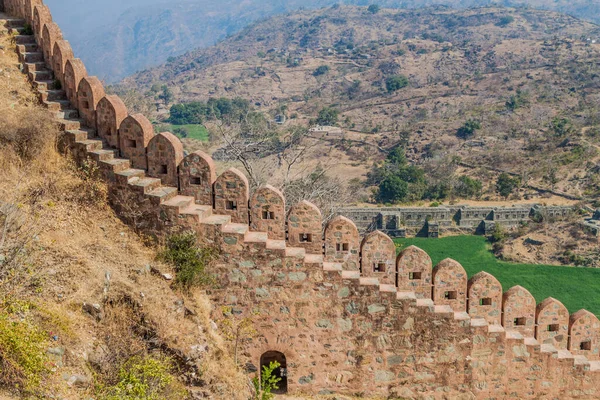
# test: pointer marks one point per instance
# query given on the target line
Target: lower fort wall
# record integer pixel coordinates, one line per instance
(363, 322)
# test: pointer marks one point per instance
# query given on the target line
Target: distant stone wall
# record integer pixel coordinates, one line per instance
(402, 221)
(342, 314)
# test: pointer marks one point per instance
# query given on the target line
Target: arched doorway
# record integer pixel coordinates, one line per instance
(281, 372)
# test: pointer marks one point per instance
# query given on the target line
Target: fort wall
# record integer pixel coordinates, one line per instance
(345, 315)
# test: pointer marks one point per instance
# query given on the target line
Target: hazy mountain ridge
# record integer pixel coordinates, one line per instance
(116, 39)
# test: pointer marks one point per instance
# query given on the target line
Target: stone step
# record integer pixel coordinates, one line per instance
(256, 237)
(27, 48)
(67, 114)
(315, 259)
(162, 194)
(14, 22)
(90, 145)
(25, 39)
(199, 211)
(57, 105)
(32, 57)
(236, 229)
(217, 220)
(351, 275)
(52, 95)
(17, 30)
(72, 125)
(37, 76)
(179, 203)
(116, 164)
(102, 154)
(295, 252)
(37, 67)
(444, 310)
(276, 245)
(44, 85)
(330, 266)
(128, 175)
(145, 185)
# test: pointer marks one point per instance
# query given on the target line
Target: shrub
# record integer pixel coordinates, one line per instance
(23, 360)
(397, 82)
(322, 70)
(468, 129)
(264, 386)
(506, 184)
(504, 21)
(28, 30)
(188, 259)
(374, 8)
(145, 379)
(328, 116)
(392, 190)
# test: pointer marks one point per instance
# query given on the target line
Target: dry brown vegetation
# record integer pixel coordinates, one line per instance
(78, 282)
(460, 65)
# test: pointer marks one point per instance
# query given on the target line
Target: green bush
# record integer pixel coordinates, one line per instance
(268, 382)
(328, 116)
(468, 130)
(22, 354)
(189, 260)
(506, 184)
(505, 21)
(373, 8)
(145, 379)
(322, 70)
(397, 82)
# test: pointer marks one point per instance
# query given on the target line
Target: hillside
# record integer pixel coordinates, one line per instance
(116, 39)
(527, 77)
(82, 315)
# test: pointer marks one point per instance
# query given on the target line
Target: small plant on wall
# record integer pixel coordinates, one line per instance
(266, 382)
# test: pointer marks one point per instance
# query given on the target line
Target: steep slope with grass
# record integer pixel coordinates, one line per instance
(86, 307)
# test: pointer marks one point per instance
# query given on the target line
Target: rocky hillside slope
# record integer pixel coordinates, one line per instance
(116, 39)
(83, 311)
(527, 77)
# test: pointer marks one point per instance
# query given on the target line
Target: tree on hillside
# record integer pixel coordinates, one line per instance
(392, 190)
(506, 184)
(396, 82)
(328, 116)
(166, 95)
(322, 70)
(373, 8)
(468, 130)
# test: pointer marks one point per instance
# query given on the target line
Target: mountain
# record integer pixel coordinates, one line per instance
(117, 38)
(527, 78)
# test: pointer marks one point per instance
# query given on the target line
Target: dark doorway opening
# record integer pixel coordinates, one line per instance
(280, 372)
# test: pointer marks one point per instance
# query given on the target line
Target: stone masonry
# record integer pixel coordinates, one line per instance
(342, 315)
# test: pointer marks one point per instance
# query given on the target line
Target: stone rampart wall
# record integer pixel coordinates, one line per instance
(345, 313)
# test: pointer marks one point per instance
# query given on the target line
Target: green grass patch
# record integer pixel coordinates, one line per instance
(192, 131)
(575, 287)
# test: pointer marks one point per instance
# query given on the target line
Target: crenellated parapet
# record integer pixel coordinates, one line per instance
(350, 314)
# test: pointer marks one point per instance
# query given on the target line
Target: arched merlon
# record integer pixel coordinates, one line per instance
(518, 311)
(110, 113)
(135, 133)
(584, 335)
(552, 323)
(485, 298)
(50, 34)
(267, 212)
(74, 72)
(29, 7)
(232, 194)
(89, 93)
(305, 230)
(450, 285)
(61, 53)
(41, 16)
(342, 243)
(414, 269)
(197, 174)
(378, 258)
(165, 152)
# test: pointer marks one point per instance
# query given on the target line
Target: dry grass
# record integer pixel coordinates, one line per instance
(71, 249)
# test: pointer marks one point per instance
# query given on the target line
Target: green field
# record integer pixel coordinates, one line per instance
(198, 132)
(576, 287)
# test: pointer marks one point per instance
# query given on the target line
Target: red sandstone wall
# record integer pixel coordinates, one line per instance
(341, 330)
